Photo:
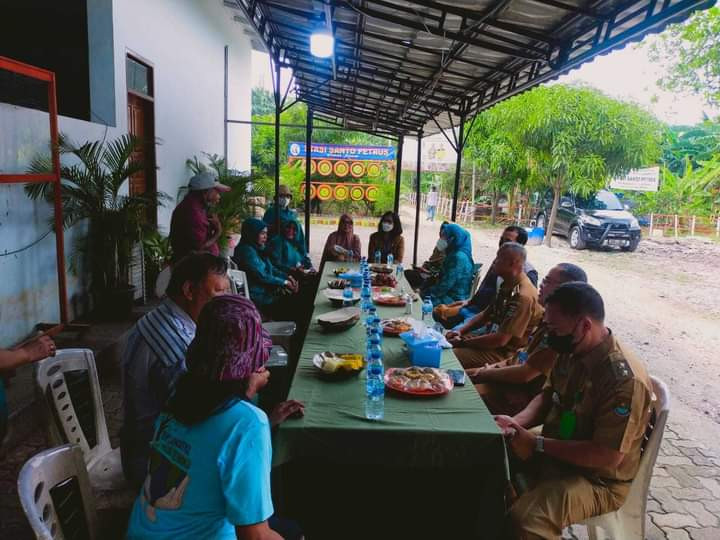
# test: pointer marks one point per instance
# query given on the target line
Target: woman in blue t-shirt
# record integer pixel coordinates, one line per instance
(210, 458)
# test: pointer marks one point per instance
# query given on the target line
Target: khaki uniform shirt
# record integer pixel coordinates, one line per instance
(515, 311)
(604, 396)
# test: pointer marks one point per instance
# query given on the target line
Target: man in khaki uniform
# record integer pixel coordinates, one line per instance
(595, 408)
(508, 387)
(507, 322)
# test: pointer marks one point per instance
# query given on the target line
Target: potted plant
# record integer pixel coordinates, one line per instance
(234, 206)
(93, 177)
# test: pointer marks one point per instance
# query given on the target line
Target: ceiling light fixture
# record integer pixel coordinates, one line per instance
(322, 43)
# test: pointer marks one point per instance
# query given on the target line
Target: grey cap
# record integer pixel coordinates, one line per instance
(206, 180)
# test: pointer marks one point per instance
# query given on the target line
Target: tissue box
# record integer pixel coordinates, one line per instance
(424, 351)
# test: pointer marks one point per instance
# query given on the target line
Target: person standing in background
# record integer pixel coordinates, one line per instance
(432, 201)
(194, 227)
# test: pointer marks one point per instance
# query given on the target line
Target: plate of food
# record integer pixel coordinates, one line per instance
(340, 319)
(338, 283)
(337, 299)
(381, 268)
(395, 327)
(383, 280)
(338, 366)
(389, 299)
(341, 270)
(419, 381)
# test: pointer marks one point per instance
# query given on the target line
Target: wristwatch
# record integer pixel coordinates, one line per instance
(540, 444)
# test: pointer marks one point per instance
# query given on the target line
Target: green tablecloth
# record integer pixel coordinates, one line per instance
(452, 431)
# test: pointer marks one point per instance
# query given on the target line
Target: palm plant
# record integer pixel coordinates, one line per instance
(92, 190)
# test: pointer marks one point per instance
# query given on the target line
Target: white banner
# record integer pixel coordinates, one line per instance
(638, 180)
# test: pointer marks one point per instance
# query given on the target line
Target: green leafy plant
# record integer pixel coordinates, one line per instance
(94, 175)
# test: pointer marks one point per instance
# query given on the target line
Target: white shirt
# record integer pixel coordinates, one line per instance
(432, 198)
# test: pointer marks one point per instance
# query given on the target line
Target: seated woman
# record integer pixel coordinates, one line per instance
(426, 275)
(456, 274)
(343, 244)
(388, 239)
(209, 470)
(269, 286)
(285, 252)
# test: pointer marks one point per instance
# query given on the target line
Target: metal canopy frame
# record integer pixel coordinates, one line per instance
(421, 67)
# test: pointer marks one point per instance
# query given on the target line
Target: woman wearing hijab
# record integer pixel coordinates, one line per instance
(343, 244)
(285, 253)
(456, 274)
(427, 274)
(269, 286)
(286, 214)
(388, 239)
(210, 458)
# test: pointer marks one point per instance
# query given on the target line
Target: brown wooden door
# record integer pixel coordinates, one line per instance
(141, 125)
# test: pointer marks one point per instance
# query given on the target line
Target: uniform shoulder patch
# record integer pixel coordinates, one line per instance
(622, 410)
(620, 368)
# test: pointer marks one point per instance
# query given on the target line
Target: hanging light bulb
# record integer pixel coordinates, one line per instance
(322, 43)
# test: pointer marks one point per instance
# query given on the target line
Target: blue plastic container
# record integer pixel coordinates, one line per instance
(535, 236)
(425, 352)
(355, 279)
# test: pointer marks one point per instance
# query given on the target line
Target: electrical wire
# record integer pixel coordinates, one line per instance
(20, 250)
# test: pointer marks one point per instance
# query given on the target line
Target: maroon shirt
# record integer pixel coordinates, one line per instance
(190, 228)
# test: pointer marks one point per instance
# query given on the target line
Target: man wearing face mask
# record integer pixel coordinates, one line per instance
(594, 409)
(508, 387)
(451, 315)
(194, 227)
(286, 214)
(507, 322)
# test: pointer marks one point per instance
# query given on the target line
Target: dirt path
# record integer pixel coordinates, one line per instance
(663, 301)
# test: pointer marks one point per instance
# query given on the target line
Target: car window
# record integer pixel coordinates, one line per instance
(603, 200)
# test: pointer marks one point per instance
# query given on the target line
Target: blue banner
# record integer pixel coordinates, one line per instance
(341, 151)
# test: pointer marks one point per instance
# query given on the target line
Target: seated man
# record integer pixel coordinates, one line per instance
(451, 315)
(595, 408)
(507, 322)
(154, 355)
(507, 388)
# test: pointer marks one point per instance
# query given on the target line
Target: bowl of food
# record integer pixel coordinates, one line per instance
(383, 280)
(395, 327)
(389, 299)
(338, 283)
(335, 366)
(337, 298)
(381, 268)
(341, 270)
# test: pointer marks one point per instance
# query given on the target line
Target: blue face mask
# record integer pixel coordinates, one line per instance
(441, 244)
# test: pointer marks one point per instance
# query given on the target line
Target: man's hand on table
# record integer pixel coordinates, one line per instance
(521, 440)
(455, 338)
(284, 410)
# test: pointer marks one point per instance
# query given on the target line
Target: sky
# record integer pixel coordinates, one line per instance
(626, 74)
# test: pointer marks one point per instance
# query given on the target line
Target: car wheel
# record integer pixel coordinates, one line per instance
(575, 239)
(632, 246)
(540, 221)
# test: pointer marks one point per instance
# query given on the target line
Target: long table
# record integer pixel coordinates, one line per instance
(441, 454)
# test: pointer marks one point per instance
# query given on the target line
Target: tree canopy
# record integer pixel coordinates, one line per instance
(566, 138)
(692, 51)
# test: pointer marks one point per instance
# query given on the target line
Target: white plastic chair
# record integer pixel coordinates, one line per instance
(239, 283)
(476, 280)
(55, 495)
(628, 521)
(70, 392)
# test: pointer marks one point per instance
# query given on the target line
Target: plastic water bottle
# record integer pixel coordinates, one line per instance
(522, 357)
(371, 316)
(399, 271)
(375, 386)
(378, 257)
(427, 309)
(366, 296)
(409, 303)
(347, 296)
(390, 259)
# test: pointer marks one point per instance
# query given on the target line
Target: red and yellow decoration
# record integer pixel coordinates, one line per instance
(313, 166)
(373, 169)
(324, 167)
(324, 192)
(341, 192)
(371, 193)
(357, 192)
(357, 169)
(341, 168)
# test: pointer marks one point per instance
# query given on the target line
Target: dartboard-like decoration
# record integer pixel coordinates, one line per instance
(324, 167)
(324, 192)
(313, 166)
(341, 192)
(371, 193)
(341, 168)
(313, 191)
(373, 169)
(357, 193)
(357, 169)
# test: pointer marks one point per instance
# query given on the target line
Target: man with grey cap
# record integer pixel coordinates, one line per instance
(193, 226)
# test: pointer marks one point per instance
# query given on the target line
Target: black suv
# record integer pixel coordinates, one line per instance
(599, 220)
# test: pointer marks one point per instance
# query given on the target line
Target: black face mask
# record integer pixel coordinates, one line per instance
(561, 344)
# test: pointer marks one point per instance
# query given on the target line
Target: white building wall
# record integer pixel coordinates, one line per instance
(184, 42)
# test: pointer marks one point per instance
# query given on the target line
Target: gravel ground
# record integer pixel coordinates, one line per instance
(662, 300)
